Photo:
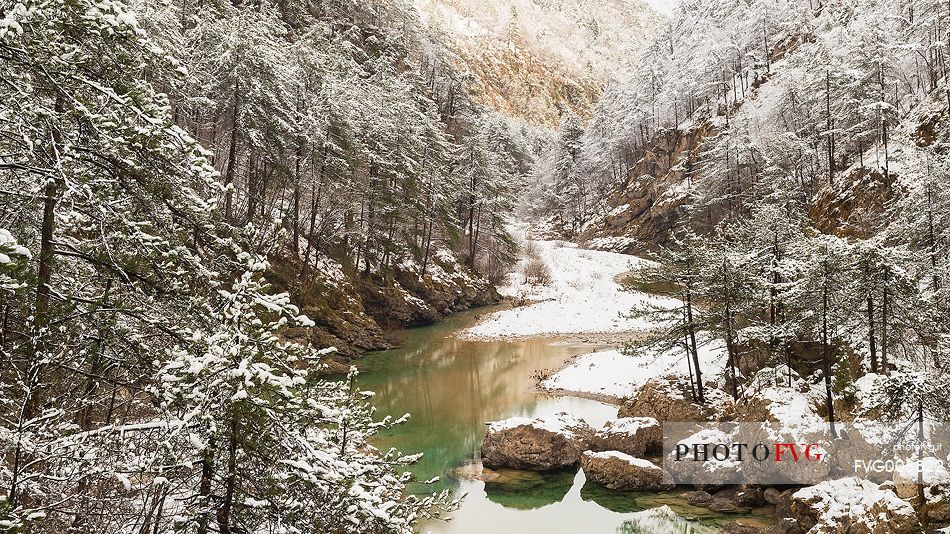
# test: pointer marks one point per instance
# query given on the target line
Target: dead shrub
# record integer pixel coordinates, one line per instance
(536, 272)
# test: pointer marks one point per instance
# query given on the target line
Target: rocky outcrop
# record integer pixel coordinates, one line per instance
(664, 399)
(784, 526)
(852, 506)
(618, 471)
(635, 436)
(698, 498)
(356, 311)
(728, 500)
(929, 471)
(411, 298)
(934, 476)
(651, 203)
(542, 444)
(846, 207)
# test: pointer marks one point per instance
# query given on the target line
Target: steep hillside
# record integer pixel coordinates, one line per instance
(534, 59)
(799, 100)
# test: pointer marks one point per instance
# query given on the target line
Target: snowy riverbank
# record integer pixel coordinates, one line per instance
(584, 301)
(583, 296)
(613, 376)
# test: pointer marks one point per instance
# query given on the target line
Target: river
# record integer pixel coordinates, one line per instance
(452, 387)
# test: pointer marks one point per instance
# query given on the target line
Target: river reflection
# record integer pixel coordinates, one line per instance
(452, 387)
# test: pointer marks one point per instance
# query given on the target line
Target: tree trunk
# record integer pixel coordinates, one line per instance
(224, 513)
(689, 356)
(884, 310)
(730, 347)
(296, 223)
(204, 487)
(691, 329)
(872, 342)
(825, 353)
(232, 154)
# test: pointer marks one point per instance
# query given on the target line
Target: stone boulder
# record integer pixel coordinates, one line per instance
(789, 416)
(664, 399)
(635, 436)
(709, 474)
(931, 471)
(723, 506)
(698, 498)
(772, 496)
(852, 506)
(782, 527)
(542, 444)
(618, 471)
(729, 500)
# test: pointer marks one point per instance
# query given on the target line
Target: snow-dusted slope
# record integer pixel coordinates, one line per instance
(533, 58)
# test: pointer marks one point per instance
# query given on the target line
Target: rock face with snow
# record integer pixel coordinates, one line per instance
(618, 471)
(791, 418)
(651, 201)
(630, 435)
(931, 471)
(542, 444)
(535, 59)
(663, 399)
(852, 506)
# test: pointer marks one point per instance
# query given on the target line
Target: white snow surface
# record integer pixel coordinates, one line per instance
(632, 460)
(933, 470)
(559, 423)
(628, 425)
(582, 297)
(617, 375)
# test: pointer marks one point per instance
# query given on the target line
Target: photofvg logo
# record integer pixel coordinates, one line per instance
(773, 453)
(760, 452)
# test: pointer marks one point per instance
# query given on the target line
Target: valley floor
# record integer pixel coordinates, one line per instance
(583, 297)
(584, 301)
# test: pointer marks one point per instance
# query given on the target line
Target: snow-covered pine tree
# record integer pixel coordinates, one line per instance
(138, 287)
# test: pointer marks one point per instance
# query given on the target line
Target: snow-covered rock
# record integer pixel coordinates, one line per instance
(664, 399)
(630, 435)
(542, 444)
(619, 471)
(791, 417)
(709, 473)
(617, 375)
(851, 506)
(931, 471)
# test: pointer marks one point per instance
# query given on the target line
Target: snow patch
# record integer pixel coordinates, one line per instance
(615, 374)
(632, 460)
(851, 497)
(583, 297)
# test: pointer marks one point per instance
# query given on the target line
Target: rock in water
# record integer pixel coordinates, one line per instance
(772, 496)
(630, 435)
(698, 498)
(543, 444)
(619, 471)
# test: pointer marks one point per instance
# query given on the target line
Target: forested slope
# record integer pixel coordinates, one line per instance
(788, 163)
(348, 124)
(181, 185)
